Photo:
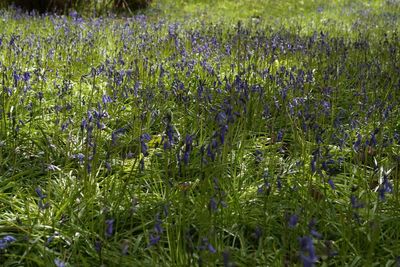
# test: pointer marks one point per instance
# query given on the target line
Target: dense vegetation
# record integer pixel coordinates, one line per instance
(191, 139)
(83, 6)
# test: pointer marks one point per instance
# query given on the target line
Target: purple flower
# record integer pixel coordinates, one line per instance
(307, 254)
(293, 220)
(279, 136)
(385, 187)
(355, 203)
(257, 233)
(357, 143)
(40, 193)
(106, 99)
(315, 233)
(211, 248)
(331, 183)
(6, 241)
(213, 204)
(110, 227)
(97, 246)
(206, 245)
(59, 263)
(153, 240)
(26, 76)
(314, 164)
(226, 259)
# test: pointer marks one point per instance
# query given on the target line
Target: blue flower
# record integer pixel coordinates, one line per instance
(59, 263)
(357, 143)
(385, 187)
(307, 254)
(6, 241)
(293, 220)
(40, 194)
(331, 183)
(154, 239)
(355, 203)
(279, 136)
(213, 204)
(110, 227)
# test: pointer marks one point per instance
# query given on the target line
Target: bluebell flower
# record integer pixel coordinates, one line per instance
(357, 143)
(6, 241)
(40, 193)
(206, 245)
(307, 253)
(385, 187)
(332, 184)
(226, 260)
(315, 233)
(59, 263)
(257, 233)
(355, 203)
(372, 141)
(186, 156)
(213, 204)
(279, 183)
(106, 99)
(158, 225)
(211, 248)
(26, 76)
(110, 227)
(313, 164)
(97, 246)
(279, 136)
(144, 138)
(154, 239)
(293, 220)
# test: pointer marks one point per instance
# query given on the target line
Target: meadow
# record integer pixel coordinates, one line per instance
(202, 133)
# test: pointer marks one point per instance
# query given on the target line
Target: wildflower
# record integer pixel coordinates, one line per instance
(314, 164)
(106, 99)
(331, 183)
(109, 228)
(144, 138)
(157, 227)
(315, 234)
(279, 136)
(211, 248)
(372, 142)
(6, 241)
(279, 183)
(40, 193)
(26, 76)
(89, 167)
(52, 167)
(307, 254)
(257, 233)
(293, 220)
(80, 157)
(357, 144)
(206, 245)
(59, 263)
(154, 239)
(355, 203)
(41, 198)
(108, 166)
(213, 204)
(97, 246)
(385, 187)
(226, 256)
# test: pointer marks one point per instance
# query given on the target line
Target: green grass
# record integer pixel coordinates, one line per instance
(205, 133)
